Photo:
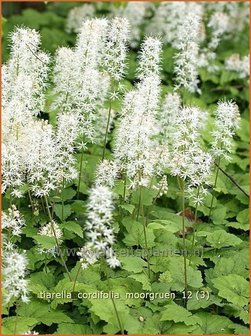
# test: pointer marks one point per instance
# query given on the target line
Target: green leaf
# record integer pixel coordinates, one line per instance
(237, 311)
(195, 304)
(145, 195)
(241, 330)
(18, 325)
(221, 238)
(237, 225)
(176, 313)
(43, 313)
(73, 227)
(215, 324)
(127, 207)
(106, 311)
(134, 326)
(167, 225)
(234, 288)
(171, 328)
(135, 234)
(41, 281)
(170, 221)
(73, 329)
(143, 279)
(67, 194)
(78, 206)
(176, 269)
(66, 286)
(46, 242)
(133, 264)
(219, 215)
(243, 216)
(238, 264)
(243, 131)
(62, 211)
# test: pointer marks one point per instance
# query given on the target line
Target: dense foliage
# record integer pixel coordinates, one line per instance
(125, 169)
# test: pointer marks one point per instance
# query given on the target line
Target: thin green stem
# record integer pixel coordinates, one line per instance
(195, 224)
(184, 241)
(62, 211)
(124, 190)
(106, 131)
(43, 207)
(11, 199)
(117, 316)
(139, 205)
(141, 208)
(76, 277)
(215, 184)
(55, 236)
(80, 171)
(232, 180)
(146, 244)
(115, 308)
(31, 202)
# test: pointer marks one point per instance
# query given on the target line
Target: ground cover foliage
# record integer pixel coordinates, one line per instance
(125, 169)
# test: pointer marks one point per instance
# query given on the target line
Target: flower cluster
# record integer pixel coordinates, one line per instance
(99, 56)
(135, 13)
(187, 159)
(36, 154)
(99, 231)
(134, 147)
(187, 43)
(51, 229)
(115, 48)
(106, 173)
(77, 15)
(214, 23)
(14, 271)
(24, 83)
(168, 16)
(240, 65)
(24, 78)
(227, 122)
(13, 221)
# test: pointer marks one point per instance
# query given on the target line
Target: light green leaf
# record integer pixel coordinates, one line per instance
(133, 264)
(43, 313)
(215, 324)
(176, 269)
(143, 279)
(219, 215)
(106, 311)
(195, 304)
(236, 265)
(73, 329)
(73, 227)
(41, 281)
(146, 195)
(127, 207)
(46, 242)
(135, 235)
(18, 325)
(234, 288)
(67, 194)
(243, 216)
(221, 238)
(176, 313)
(62, 212)
(237, 311)
(241, 330)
